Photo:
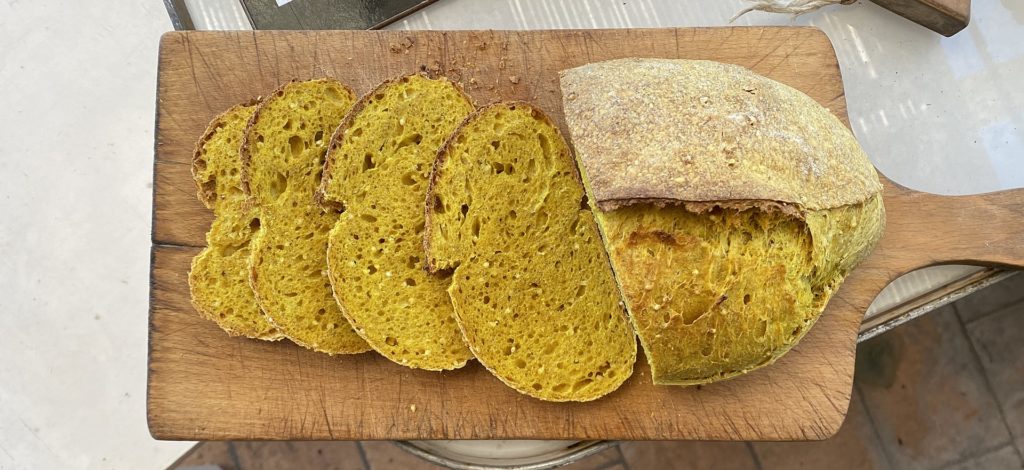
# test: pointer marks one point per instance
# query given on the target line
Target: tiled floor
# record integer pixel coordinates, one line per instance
(945, 391)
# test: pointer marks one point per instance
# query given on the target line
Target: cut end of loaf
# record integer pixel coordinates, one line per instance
(717, 293)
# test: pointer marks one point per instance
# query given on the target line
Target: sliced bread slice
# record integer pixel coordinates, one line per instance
(282, 158)
(532, 286)
(219, 278)
(376, 171)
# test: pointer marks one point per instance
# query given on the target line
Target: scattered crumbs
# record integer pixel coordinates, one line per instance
(412, 407)
(482, 46)
(514, 79)
(401, 47)
(472, 81)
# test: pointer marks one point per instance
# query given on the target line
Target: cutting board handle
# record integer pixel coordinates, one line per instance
(925, 229)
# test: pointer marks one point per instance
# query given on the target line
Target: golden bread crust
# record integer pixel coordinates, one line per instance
(691, 130)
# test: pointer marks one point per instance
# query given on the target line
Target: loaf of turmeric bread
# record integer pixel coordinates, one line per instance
(219, 278)
(732, 207)
(282, 160)
(376, 172)
(530, 282)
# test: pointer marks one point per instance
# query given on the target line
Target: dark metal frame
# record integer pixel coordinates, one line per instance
(182, 20)
(178, 12)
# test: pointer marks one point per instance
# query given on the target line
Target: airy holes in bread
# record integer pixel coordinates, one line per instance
(277, 186)
(528, 263)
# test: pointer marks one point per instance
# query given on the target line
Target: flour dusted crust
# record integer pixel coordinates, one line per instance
(693, 130)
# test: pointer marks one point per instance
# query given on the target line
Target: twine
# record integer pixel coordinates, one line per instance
(796, 7)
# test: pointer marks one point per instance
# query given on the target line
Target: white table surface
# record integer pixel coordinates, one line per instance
(76, 137)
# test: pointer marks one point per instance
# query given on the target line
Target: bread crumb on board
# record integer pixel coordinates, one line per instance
(514, 79)
(434, 67)
(412, 407)
(402, 47)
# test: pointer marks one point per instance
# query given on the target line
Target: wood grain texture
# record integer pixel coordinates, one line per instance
(946, 17)
(206, 385)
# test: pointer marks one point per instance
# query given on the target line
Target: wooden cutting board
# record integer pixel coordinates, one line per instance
(206, 385)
